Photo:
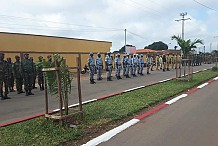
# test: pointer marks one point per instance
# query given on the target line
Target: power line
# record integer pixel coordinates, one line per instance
(136, 35)
(204, 5)
(41, 20)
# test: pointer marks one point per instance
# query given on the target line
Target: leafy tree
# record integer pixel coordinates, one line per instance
(65, 78)
(215, 53)
(157, 46)
(186, 45)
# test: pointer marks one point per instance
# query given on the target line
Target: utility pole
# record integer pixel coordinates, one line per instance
(183, 22)
(125, 39)
(216, 52)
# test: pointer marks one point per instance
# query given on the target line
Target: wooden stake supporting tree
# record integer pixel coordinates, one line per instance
(58, 80)
(184, 70)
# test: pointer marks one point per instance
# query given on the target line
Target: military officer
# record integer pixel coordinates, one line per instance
(108, 63)
(40, 73)
(148, 63)
(18, 74)
(124, 64)
(128, 63)
(131, 65)
(168, 62)
(3, 77)
(10, 75)
(135, 64)
(91, 64)
(34, 73)
(99, 66)
(141, 64)
(27, 69)
(118, 66)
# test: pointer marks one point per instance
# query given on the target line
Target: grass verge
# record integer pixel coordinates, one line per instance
(42, 132)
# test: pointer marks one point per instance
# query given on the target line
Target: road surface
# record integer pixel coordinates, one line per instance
(21, 106)
(192, 121)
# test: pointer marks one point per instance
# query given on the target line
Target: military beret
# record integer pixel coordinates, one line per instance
(17, 56)
(25, 53)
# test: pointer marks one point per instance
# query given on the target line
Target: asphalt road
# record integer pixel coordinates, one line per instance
(192, 121)
(21, 106)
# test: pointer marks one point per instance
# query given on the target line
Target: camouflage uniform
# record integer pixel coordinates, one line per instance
(3, 77)
(34, 73)
(27, 71)
(10, 75)
(40, 73)
(18, 74)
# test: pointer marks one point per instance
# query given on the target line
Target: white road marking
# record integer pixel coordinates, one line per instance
(176, 99)
(203, 85)
(133, 88)
(108, 135)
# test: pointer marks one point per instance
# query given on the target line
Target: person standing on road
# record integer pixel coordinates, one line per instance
(141, 65)
(40, 73)
(34, 73)
(157, 61)
(18, 74)
(118, 66)
(27, 69)
(124, 64)
(99, 66)
(91, 64)
(3, 77)
(131, 65)
(10, 75)
(108, 63)
(128, 63)
(168, 62)
(164, 59)
(135, 64)
(148, 63)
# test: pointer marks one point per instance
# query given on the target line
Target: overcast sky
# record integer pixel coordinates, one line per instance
(146, 21)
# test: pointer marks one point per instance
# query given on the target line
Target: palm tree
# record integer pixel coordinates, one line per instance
(186, 45)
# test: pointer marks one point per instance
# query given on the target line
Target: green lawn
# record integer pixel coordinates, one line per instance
(41, 132)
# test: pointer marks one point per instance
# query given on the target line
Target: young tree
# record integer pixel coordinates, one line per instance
(186, 45)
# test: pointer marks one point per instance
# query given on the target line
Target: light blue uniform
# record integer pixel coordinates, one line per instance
(124, 65)
(128, 63)
(118, 66)
(135, 64)
(108, 61)
(131, 66)
(99, 65)
(91, 63)
(141, 65)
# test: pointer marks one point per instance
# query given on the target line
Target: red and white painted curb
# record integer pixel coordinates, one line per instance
(92, 100)
(108, 135)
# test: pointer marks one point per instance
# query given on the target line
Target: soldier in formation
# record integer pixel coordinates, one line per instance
(10, 75)
(108, 65)
(118, 66)
(18, 74)
(27, 69)
(91, 64)
(40, 73)
(99, 66)
(3, 77)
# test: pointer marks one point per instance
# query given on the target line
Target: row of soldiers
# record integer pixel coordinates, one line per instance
(23, 72)
(131, 64)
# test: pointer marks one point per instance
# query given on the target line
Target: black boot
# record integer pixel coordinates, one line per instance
(120, 77)
(6, 96)
(93, 81)
(30, 93)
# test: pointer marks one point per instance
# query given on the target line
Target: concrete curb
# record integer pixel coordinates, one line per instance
(92, 100)
(108, 135)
